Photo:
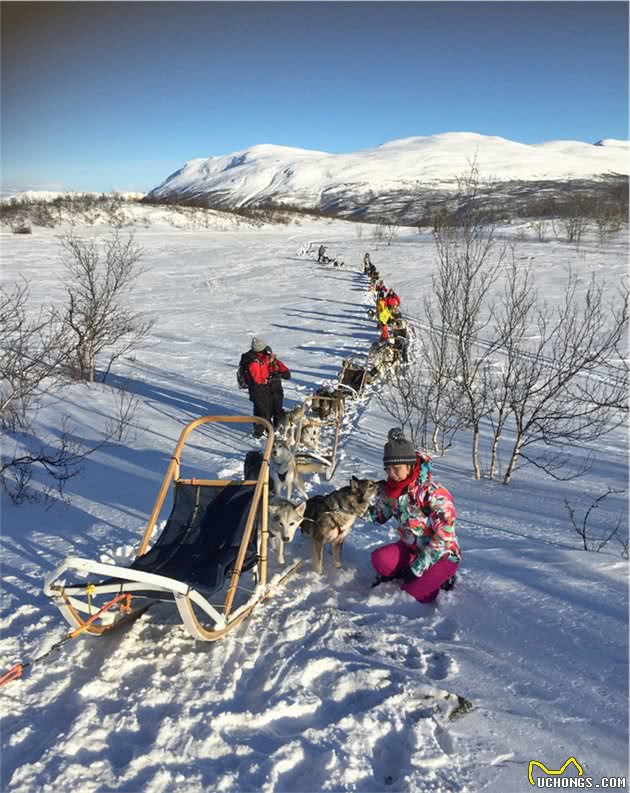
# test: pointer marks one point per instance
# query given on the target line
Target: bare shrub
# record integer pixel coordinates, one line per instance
(378, 233)
(100, 328)
(391, 230)
(59, 460)
(21, 227)
(594, 534)
(576, 218)
(121, 427)
(541, 227)
(32, 356)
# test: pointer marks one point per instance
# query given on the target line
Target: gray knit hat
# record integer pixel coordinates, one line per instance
(398, 450)
(258, 344)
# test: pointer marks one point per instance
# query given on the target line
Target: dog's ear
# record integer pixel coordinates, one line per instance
(301, 508)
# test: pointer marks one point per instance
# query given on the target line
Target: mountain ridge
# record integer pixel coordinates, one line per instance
(392, 174)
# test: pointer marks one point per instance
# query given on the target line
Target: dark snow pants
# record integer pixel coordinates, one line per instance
(260, 395)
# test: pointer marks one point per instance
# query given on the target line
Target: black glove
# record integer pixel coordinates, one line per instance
(408, 575)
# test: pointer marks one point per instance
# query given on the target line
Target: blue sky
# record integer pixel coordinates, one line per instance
(102, 96)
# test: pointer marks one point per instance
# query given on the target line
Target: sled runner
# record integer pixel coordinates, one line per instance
(216, 531)
(326, 414)
(352, 378)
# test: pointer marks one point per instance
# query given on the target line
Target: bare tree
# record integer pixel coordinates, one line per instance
(469, 258)
(541, 226)
(378, 233)
(404, 397)
(391, 229)
(549, 401)
(100, 327)
(512, 315)
(575, 220)
(594, 539)
(423, 395)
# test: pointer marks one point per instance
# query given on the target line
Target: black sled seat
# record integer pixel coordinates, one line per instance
(216, 530)
(352, 377)
(202, 536)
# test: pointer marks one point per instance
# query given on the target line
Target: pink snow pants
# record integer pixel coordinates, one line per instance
(389, 559)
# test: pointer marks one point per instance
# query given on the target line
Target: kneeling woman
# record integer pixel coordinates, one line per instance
(427, 555)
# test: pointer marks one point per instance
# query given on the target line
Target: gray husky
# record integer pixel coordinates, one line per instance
(284, 521)
(289, 424)
(287, 470)
(329, 518)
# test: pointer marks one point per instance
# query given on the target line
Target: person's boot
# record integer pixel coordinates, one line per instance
(381, 579)
(449, 583)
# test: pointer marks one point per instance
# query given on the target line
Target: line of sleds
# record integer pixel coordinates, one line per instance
(217, 531)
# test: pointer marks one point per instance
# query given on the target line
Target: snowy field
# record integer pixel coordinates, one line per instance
(325, 687)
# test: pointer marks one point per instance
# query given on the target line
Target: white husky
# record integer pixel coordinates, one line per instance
(286, 470)
(284, 521)
(310, 436)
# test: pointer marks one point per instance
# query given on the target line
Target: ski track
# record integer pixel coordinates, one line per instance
(329, 685)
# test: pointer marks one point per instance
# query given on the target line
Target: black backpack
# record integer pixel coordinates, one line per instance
(242, 375)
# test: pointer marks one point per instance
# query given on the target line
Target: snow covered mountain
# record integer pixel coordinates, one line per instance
(389, 176)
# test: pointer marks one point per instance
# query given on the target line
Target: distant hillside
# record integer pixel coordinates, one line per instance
(396, 178)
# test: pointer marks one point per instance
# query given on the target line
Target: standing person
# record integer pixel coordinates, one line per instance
(392, 300)
(277, 373)
(427, 555)
(320, 253)
(258, 378)
(383, 314)
(367, 263)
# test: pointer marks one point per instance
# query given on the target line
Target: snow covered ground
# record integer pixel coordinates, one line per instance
(325, 687)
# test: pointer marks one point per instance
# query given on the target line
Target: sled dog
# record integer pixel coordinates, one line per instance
(384, 359)
(329, 518)
(284, 521)
(291, 420)
(326, 407)
(310, 436)
(287, 471)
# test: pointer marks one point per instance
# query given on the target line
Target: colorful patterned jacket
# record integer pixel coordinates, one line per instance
(426, 518)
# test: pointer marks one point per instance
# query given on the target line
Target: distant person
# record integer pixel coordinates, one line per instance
(392, 300)
(367, 263)
(320, 253)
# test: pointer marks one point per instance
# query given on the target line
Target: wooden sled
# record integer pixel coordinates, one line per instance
(352, 378)
(217, 530)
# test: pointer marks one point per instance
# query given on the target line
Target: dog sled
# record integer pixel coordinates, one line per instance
(352, 378)
(324, 413)
(217, 530)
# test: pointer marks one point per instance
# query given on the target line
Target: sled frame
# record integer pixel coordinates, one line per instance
(75, 601)
(349, 366)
